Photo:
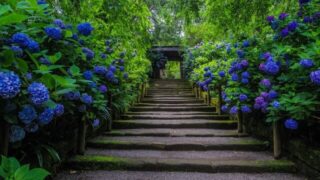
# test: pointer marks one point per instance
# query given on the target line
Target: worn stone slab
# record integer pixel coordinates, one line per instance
(176, 133)
(151, 175)
(96, 162)
(175, 109)
(173, 123)
(178, 143)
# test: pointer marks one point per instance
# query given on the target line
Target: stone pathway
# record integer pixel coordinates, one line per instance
(172, 135)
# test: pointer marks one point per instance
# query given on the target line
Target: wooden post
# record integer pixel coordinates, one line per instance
(276, 140)
(4, 138)
(82, 137)
(219, 100)
(109, 125)
(240, 122)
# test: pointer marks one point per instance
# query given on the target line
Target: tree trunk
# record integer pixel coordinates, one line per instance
(4, 138)
(276, 140)
(82, 137)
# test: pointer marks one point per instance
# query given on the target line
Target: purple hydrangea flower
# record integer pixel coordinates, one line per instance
(17, 133)
(271, 68)
(240, 53)
(307, 19)
(85, 28)
(222, 74)
(59, 110)
(306, 63)
(113, 69)
(266, 83)
(234, 77)
(273, 94)
(27, 114)
(270, 19)
(109, 75)
(245, 75)
(38, 93)
(285, 32)
(96, 123)
(262, 67)
(315, 77)
(9, 85)
(46, 116)
(29, 76)
(283, 16)
(103, 89)
(89, 53)
(292, 26)
(244, 63)
(245, 109)
(87, 99)
(291, 124)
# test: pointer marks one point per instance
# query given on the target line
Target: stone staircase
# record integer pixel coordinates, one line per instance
(172, 132)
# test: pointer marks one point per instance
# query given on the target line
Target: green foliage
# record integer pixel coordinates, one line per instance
(11, 169)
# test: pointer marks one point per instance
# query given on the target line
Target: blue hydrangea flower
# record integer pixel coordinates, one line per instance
(17, 51)
(53, 33)
(234, 77)
(315, 77)
(40, 2)
(9, 85)
(234, 110)
(87, 99)
(17, 133)
(109, 75)
(28, 76)
(292, 26)
(302, 2)
(100, 70)
(122, 54)
(240, 53)
(72, 96)
(89, 53)
(103, 89)
(121, 61)
(306, 63)
(33, 46)
(38, 93)
(308, 19)
(271, 68)
(125, 75)
(113, 69)
(283, 16)
(266, 83)
(108, 42)
(59, 110)
(75, 37)
(93, 85)
(88, 75)
(85, 28)
(32, 127)
(276, 104)
(273, 94)
(244, 64)
(243, 97)
(245, 75)
(224, 108)
(82, 108)
(244, 81)
(103, 56)
(291, 124)
(121, 68)
(115, 81)
(21, 39)
(222, 74)
(285, 32)
(96, 123)
(245, 109)
(246, 44)
(46, 116)
(45, 61)
(27, 114)
(59, 23)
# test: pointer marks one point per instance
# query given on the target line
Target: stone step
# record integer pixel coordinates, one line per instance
(169, 175)
(171, 105)
(177, 124)
(176, 133)
(171, 101)
(169, 96)
(175, 109)
(189, 89)
(178, 143)
(95, 162)
(171, 113)
(216, 155)
(170, 117)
